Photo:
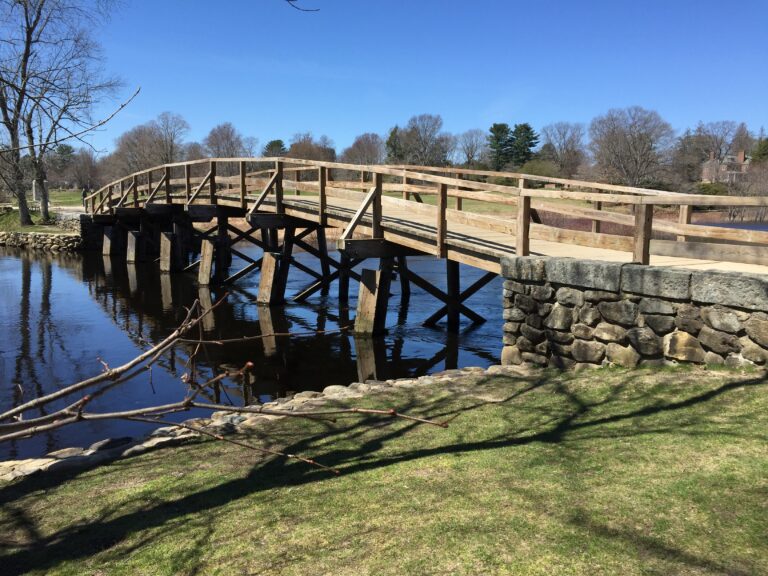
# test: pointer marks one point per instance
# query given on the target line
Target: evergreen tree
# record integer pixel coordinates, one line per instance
(524, 140)
(394, 147)
(274, 148)
(760, 153)
(500, 145)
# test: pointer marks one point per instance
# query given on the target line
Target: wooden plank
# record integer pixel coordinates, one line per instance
(595, 222)
(376, 205)
(279, 188)
(482, 221)
(442, 225)
(708, 251)
(263, 195)
(375, 248)
(206, 262)
(522, 243)
(243, 185)
(372, 300)
(187, 183)
(581, 238)
(167, 181)
(357, 218)
(643, 231)
(684, 218)
(212, 183)
(322, 180)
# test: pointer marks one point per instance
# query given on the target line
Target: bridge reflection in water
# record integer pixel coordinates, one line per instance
(65, 313)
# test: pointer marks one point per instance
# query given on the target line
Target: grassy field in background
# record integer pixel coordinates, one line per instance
(606, 472)
(66, 197)
(9, 222)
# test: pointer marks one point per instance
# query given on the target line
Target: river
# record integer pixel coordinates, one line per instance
(64, 317)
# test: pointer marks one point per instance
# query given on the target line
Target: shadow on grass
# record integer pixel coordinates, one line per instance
(573, 418)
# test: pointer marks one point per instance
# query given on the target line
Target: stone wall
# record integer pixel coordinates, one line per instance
(41, 241)
(567, 313)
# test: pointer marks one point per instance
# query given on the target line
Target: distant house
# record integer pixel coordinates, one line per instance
(730, 170)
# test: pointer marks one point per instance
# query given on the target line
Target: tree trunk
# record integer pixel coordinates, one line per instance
(18, 191)
(40, 178)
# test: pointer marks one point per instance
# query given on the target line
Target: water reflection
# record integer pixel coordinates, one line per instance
(63, 316)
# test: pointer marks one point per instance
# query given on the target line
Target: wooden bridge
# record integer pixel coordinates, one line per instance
(389, 212)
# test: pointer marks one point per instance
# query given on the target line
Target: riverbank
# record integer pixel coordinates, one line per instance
(540, 472)
(62, 235)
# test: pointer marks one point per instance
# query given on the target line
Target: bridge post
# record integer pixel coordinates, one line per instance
(110, 240)
(169, 252)
(279, 208)
(454, 294)
(373, 299)
(212, 183)
(269, 280)
(442, 204)
(684, 218)
(596, 223)
(135, 249)
(522, 233)
(322, 178)
(643, 232)
(223, 252)
(344, 262)
(206, 262)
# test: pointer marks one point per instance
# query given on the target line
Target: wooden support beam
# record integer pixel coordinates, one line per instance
(371, 358)
(454, 294)
(279, 207)
(167, 180)
(442, 296)
(442, 223)
(643, 231)
(243, 202)
(187, 183)
(206, 262)
(596, 224)
(405, 284)
(269, 281)
(135, 249)
(373, 299)
(358, 217)
(322, 179)
(474, 288)
(522, 233)
(212, 184)
(206, 303)
(376, 214)
(108, 235)
(374, 248)
(684, 218)
(325, 265)
(168, 259)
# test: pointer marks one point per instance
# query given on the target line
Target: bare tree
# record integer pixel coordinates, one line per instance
(85, 169)
(194, 151)
(138, 149)
(170, 130)
(304, 145)
(630, 145)
(367, 149)
(717, 137)
(565, 142)
(49, 81)
(421, 142)
(473, 145)
(743, 140)
(224, 141)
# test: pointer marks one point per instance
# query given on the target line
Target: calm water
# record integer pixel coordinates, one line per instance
(62, 316)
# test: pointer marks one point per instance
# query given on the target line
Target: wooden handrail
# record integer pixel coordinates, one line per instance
(199, 187)
(155, 191)
(263, 195)
(358, 217)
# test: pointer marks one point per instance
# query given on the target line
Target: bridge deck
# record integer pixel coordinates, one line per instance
(478, 246)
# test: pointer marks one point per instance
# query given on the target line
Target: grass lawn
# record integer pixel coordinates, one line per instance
(59, 197)
(607, 472)
(9, 222)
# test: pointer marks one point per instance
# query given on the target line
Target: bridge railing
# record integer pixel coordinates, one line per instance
(523, 206)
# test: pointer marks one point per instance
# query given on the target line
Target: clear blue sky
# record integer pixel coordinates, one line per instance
(364, 65)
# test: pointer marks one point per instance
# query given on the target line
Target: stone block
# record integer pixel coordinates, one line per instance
(656, 281)
(748, 291)
(511, 355)
(610, 333)
(537, 359)
(721, 318)
(512, 327)
(752, 351)
(593, 274)
(658, 323)
(526, 268)
(757, 328)
(684, 347)
(601, 296)
(542, 293)
(588, 351)
(533, 334)
(720, 342)
(560, 318)
(622, 355)
(513, 315)
(534, 321)
(583, 331)
(689, 318)
(622, 312)
(514, 287)
(655, 306)
(570, 296)
(525, 345)
(589, 315)
(559, 337)
(712, 358)
(645, 341)
(525, 303)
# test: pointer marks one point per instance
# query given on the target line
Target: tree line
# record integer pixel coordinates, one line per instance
(51, 79)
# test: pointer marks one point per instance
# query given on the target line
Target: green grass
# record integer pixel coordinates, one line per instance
(65, 197)
(609, 472)
(9, 222)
